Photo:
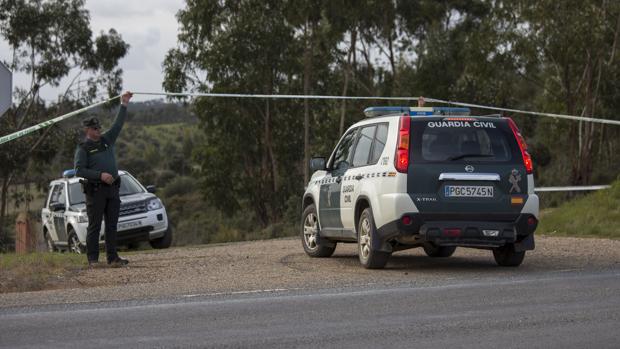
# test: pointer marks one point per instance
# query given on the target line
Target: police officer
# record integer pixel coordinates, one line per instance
(95, 161)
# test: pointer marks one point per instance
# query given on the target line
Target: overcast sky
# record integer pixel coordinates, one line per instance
(150, 27)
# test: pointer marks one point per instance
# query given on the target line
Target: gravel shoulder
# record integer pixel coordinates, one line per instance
(282, 264)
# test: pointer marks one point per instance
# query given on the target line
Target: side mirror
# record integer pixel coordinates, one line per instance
(151, 189)
(58, 207)
(317, 164)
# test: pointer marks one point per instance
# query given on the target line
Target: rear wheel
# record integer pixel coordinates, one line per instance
(370, 258)
(51, 247)
(439, 251)
(310, 239)
(75, 246)
(506, 256)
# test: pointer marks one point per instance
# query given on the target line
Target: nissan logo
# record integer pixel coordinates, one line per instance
(469, 168)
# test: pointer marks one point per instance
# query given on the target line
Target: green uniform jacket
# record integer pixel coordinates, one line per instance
(92, 158)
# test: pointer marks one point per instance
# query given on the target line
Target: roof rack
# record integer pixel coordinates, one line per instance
(416, 111)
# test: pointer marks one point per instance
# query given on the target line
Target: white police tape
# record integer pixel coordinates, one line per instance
(430, 100)
(19, 134)
(526, 112)
(247, 95)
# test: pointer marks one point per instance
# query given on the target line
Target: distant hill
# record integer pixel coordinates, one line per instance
(153, 112)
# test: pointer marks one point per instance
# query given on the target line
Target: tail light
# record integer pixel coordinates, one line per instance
(401, 158)
(527, 159)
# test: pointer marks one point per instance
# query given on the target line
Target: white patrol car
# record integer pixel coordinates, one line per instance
(142, 215)
(435, 178)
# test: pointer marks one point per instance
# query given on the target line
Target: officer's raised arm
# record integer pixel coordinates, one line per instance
(115, 130)
(81, 165)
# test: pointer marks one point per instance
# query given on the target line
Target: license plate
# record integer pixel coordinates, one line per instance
(129, 225)
(468, 191)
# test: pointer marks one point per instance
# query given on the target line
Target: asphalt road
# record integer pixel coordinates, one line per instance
(557, 309)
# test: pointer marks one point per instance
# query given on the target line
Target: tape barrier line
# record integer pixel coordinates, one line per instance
(577, 188)
(246, 95)
(19, 134)
(430, 100)
(526, 112)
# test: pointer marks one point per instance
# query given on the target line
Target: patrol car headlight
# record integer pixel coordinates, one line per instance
(82, 219)
(154, 204)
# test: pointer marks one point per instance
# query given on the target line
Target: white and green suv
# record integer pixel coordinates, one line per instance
(142, 215)
(434, 177)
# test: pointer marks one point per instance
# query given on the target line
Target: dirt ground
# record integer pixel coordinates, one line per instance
(282, 264)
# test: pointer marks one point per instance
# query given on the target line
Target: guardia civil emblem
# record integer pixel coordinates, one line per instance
(514, 179)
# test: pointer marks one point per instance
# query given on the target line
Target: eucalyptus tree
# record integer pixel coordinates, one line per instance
(50, 41)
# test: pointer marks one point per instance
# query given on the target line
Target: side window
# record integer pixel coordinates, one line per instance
(362, 150)
(341, 156)
(379, 145)
(62, 198)
(56, 193)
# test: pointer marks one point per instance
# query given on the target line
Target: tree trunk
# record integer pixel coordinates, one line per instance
(3, 206)
(347, 75)
(307, 72)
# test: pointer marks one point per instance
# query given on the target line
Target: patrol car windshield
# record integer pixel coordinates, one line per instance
(464, 140)
(129, 186)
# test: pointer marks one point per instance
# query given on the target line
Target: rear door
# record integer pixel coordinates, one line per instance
(466, 169)
(58, 216)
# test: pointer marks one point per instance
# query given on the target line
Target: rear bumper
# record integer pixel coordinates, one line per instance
(484, 232)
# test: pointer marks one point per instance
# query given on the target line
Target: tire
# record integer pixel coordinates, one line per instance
(51, 247)
(164, 241)
(368, 257)
(434, 251)
(506, 256)
(310, 238)
(73, 243)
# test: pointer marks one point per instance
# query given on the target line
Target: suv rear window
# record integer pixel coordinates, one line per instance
(439, 140)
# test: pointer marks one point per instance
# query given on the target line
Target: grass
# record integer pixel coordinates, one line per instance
(37, 271)
(594, 215)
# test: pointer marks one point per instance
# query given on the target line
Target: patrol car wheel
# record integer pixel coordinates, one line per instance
(439, 251)
(49, 243)
(369, 258)
(75, 246)
(164, 241)
(310, 238)
(506, 256)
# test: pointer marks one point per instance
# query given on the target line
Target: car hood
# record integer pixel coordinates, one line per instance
(81, 208)
(136, 197)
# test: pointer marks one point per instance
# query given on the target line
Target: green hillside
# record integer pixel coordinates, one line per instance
(594, 215)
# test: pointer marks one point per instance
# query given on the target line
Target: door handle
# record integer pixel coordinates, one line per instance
(339, 179)
(359, 177)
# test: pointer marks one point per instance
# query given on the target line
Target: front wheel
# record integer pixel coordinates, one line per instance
(164, 241)
(310, 239)
(370, 258)
(506, 256)
(439, 251)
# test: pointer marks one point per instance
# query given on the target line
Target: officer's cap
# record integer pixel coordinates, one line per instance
(91, 122)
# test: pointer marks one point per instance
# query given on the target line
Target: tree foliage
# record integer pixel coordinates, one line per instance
(51, 40)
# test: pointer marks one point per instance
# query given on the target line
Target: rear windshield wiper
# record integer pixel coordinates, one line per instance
(457, 157)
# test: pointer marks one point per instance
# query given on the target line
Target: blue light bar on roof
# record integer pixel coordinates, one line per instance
(416, 111)
(69, 173)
